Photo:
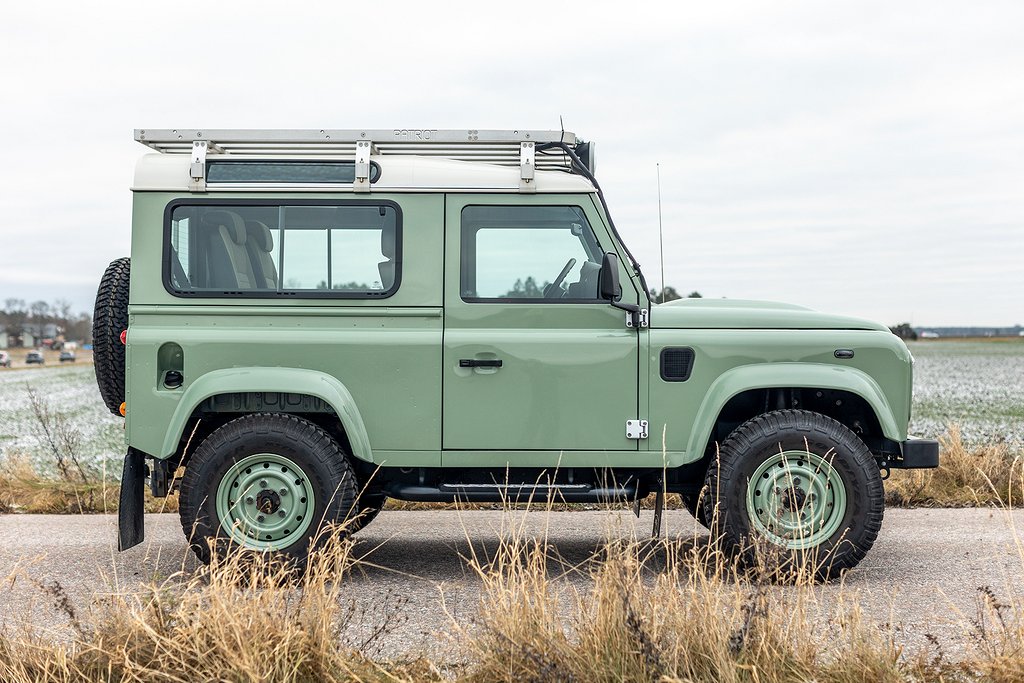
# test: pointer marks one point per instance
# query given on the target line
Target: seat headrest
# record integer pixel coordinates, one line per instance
(227, 219)
(260, 235)
(387, 243)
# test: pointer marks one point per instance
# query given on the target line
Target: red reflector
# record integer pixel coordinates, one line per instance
(124, 337)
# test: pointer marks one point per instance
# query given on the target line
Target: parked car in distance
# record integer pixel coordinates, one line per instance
(34, 357)
(5, 359)
(67, 356)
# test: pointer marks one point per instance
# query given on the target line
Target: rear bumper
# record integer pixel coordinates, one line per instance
(916, 454)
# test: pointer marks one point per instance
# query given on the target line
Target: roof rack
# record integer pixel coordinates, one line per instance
(502, 147)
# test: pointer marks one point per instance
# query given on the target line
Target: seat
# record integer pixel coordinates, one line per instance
(388, 248)
(259, 245)
(228, 263)
(586, 288)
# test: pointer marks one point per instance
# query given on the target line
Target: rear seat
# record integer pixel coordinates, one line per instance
(260, 245)
(229, 266)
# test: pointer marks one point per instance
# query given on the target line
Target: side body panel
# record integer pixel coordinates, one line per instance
(730, 361)
(384, 352)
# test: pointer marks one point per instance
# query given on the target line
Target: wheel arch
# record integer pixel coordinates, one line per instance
(857, 391)
(263, 380)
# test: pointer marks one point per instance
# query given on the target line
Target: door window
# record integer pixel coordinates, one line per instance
(529, 254)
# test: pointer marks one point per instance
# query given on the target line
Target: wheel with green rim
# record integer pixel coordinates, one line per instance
(265, 501)
(801, 483)
(265, 483)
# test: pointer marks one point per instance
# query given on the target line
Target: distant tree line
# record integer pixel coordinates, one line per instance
(669, 293)
(904, 331)
(43, 320)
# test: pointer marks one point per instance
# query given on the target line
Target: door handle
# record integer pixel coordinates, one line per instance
(479, 363)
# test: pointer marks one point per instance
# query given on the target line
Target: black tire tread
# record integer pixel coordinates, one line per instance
(109, 319)
(722, 476)
(320, 445)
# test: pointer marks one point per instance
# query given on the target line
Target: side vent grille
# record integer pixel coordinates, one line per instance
(676, 364)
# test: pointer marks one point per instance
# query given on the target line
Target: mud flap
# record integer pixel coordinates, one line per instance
(130, 520)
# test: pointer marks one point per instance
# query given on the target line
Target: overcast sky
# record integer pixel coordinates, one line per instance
(856, 157)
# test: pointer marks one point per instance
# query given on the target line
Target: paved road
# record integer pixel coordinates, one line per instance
(925, 567)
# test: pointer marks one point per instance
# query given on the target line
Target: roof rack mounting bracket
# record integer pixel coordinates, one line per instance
(527, 162)
(364, 148)
(197, 171)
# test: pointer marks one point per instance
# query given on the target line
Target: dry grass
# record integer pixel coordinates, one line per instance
(966, 476)
(646, 612)
(23, 489)
(242, 619)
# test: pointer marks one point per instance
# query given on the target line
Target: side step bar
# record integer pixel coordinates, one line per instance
(513, 493)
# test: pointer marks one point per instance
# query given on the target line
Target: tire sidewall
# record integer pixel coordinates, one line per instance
(333, 487)
(802, 431)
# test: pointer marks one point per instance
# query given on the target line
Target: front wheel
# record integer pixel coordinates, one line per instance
(265, 482)
(800, 484)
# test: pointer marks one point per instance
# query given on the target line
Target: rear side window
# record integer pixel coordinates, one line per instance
(268, 249)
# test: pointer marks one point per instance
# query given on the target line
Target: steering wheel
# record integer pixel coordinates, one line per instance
(550, 290)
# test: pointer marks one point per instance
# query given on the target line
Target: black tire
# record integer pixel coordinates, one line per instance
(307, 446)
(109, 319)
(763, 437)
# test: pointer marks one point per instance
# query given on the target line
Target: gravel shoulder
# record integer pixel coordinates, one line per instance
(922, 575)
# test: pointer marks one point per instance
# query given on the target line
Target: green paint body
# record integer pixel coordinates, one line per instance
(572, 373)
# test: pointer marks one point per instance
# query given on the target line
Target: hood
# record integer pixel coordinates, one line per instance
(739, 313)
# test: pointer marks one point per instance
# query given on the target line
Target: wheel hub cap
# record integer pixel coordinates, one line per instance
(265, 501)
(796, 499)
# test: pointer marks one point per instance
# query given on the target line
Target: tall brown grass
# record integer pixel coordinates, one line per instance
(967, 475)
(636, 611)
(24, 489)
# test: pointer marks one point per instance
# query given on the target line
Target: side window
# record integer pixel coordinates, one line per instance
(295, 249)
(528, 253)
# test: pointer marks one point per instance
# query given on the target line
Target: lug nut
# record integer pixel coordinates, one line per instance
(250, 500)
(283, 492)
(280, 513)
(259, 518)
(263, 483)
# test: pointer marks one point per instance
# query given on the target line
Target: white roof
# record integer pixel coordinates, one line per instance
(398, 173)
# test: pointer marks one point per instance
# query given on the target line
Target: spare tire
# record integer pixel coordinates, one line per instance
(109, 319)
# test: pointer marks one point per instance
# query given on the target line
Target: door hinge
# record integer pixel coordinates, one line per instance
(639, 319)
(636, 429)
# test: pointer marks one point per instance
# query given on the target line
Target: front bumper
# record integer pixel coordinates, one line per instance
(915, 454)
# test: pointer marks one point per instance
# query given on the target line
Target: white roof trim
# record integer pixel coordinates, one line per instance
(171, 173)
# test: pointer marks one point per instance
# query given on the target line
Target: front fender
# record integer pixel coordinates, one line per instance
(284, 380)
(790, 375)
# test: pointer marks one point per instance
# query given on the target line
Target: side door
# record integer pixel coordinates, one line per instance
(533, 359)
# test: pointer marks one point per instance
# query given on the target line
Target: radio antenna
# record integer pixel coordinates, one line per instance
(661, 236)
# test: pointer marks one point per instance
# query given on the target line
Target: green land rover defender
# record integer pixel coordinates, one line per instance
(313, 321)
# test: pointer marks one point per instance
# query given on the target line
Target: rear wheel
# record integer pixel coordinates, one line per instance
(801, 485)
(265, 482)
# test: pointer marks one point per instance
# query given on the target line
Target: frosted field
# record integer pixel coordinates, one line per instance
(72, 391)
(978, 385)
